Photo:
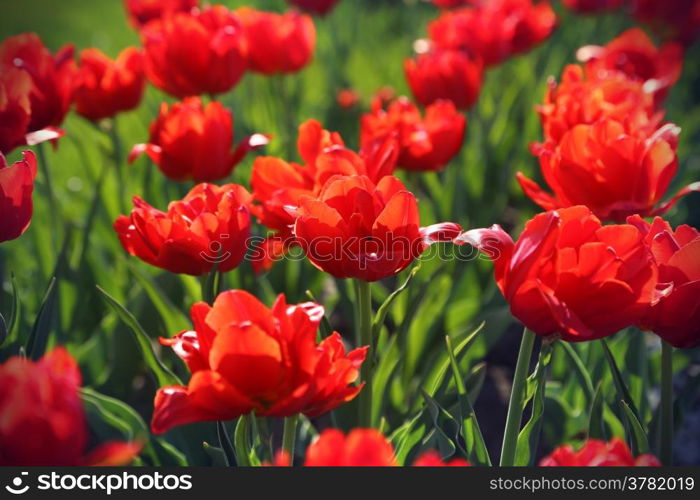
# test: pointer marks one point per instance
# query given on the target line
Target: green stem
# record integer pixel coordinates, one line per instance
(210, 285)
(51, 194)
(289, 436)
(517, 396)
(364, 301)
(666, 416)
(118, 164)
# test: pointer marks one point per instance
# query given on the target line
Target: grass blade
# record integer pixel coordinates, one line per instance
(162, 373)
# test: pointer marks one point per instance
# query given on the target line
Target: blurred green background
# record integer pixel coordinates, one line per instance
(361, 45)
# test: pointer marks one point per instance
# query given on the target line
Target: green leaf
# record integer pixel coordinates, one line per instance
(640, 442)
(173, 319)
(406, 437)
(579, 370)
(380, 316)
(529, 436)
(471, 432)
(241, 441)
(595, 421)
(3, 330)
(620, 386)
(162, 373)
(13, 322)
(435, 379)
(217, 455)
(225, 444)
(446, 427)
(38, 338)
(116, 414)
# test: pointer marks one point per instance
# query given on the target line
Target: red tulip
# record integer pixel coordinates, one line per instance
(635, 55)
(432, 459)
(614, 172)
(570, 276)
(42, 421)
(208, 228)
(279, 186)
(245, 357)
(444, 74)
(360, 448)
(193, 141)
(678, 19)
(320, 7)
(425, 143)
(16, 186)
(278, 43)
(108, 87)
(141, 12)
(592, 6)
(494, 30)
(356, 229)
(676, 317)
(347, 98)
(448, 4)
(595, 453)
(197, 53)
(15, 109)
(580, 99)
(52, 77)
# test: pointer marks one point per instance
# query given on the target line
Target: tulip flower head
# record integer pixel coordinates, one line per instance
(42, 420)
(583, 99)
(209, 228)
(444, 75)
(426, 143)
(570, 276)
(634, 55)
(678, 20)
(676, 316)
(596, 453)
(279, 186)
(51, 89)
(16, 187)
(358, 229)
(245, 357)
(592, 6)
(493, 30)
(614, 172)
(192, 141)
(200, 52)
(278, 43)
(360, 448)
(108, 87)
(320, 7)
(140, 12)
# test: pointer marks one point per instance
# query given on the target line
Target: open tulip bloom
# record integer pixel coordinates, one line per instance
(239, 335)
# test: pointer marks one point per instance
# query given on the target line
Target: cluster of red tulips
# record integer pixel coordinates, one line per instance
(589, 266)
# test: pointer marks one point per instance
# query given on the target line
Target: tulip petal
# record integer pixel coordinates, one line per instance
(113, 454)
(536, 193)
(152, 150)
(694, 187)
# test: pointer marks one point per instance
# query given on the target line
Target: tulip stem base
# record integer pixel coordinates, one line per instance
(666, 415)
(289, 436)
(517, 397)
(364, 302)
